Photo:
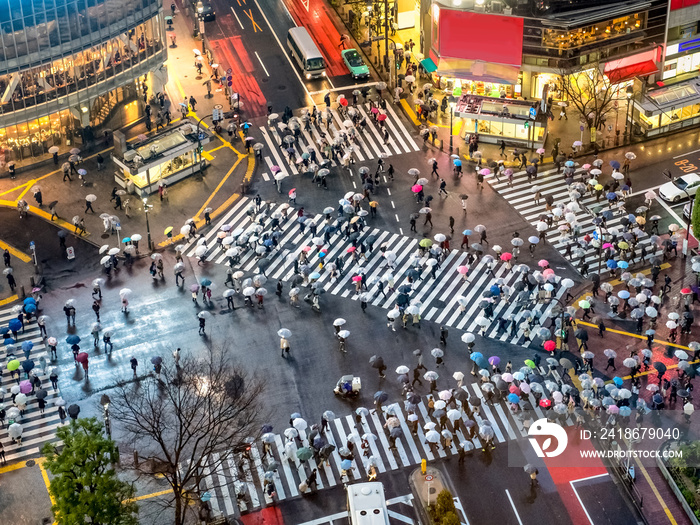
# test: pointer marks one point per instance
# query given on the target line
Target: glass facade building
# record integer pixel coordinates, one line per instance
(71, 68)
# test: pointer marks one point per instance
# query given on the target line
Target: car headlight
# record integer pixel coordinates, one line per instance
(323, 73)
(308, 76)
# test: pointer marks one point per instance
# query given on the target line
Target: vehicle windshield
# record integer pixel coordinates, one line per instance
(680, 183)
(354, 59)
(315, 63)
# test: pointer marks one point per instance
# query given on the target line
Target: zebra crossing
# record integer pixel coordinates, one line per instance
(37, 428)
(239, 484)
(369, 143)
(437, 299)
(551, 184)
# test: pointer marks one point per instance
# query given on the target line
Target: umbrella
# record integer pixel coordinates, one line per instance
(304, 454)
(284, 332)
(381, 396)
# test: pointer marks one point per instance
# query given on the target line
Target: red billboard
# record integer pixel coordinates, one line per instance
(680, 4)
(473, 36)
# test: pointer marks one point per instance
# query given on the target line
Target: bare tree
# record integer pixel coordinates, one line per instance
(194, 415)
(590, 92)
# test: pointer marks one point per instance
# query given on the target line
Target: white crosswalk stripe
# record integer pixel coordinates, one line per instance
(520, 196)
(369, 143)
(438, 297)
(410, 449)
(37, 428)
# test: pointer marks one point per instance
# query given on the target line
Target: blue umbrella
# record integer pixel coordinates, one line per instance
(29, 300)
(9, 341)
(30, 308)
(205, 282)
(27, 365)
(457, 162)
(346, 464)
(476, 355)
(513, 398)
(321, 255)
(625, 188)
(126, 239)
(625, 411)
(14, 325)
(4, 330)
(27, 346)
(295, 415)
(569, 164)
(607, 215)
(315, 275)
(72, 339)
(495, 290)
(623, 294)
(482, 363)
(617, 380)
(615, 165)
(467, 232)
(381, 396)
(611, 263)
(623, 264)
(301, 219)
(611, 196)
(267, 242)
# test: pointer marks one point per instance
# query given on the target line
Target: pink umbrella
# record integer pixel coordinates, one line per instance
(506, 256)
(514, 390)
(508, 172)
(292, 191)
(306, 249)
(25, 387)
(375, 110)
(586, 166)
(525, 388)
(462, 269)
(417, 188)
(540, 151)
(357, 278)
(614, 409)
(507, 377)
(607, 245)
(543, 263)
(352, 249)
(275, 169)
(485, 171)
(548, 273)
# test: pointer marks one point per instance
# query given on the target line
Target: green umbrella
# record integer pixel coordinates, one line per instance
(304, 453)
(584, 304)
(530, 363)
(425, 243)
(13, 365)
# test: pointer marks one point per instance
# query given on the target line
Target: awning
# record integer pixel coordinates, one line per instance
(428, 65)
(622, 74)
(478, 70)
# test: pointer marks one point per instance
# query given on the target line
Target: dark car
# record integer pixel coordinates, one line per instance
(206, 11)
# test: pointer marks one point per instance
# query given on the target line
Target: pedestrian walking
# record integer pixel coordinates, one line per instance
(202, 325)
(134, 364)
(96, 309)
(284, 346)
(107, 340)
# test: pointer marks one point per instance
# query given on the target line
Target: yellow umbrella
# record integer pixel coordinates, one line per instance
(598, 187)
(640, 220)
(373, 204)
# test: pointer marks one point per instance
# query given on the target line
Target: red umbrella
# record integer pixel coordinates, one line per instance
(549, 346)
(82, 357)
(292, 191)
(514, 390)
(343, 102)
(352, 249)
(506, 256)
(381, 117)
(357, 278)
(545, 403)
(686, 291)
(375, 110)
(416, 188)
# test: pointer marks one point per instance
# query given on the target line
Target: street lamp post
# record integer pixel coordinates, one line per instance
(452, 114)
(104, 401)
(628, 114)
(148, 226)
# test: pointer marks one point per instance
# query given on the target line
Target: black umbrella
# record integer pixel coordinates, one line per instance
(297, 280)
(536, 378)
(41, 393)
(354, 236)
(264, 263)
(381, 396)
(475, 401)
(156, 360)
(460, 395)
(683, 393)
(657, 399)
(402, 299)
(414, 398)
(502, 385)
(660, 367)
(519, 286)
(396, 432)
(371, 239)
(549, 200)
(319, 442)
(531, 170)
(376, 361)
(581, 334)
(327, 449)
(484, 304)
(62, 233)
(487, 294)
(597, 221)
(594, 277)
(73, 411)
(438, 413)
(267, 427)
(413, 274)
(405, 289)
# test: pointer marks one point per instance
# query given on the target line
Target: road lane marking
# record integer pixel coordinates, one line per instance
(234, 14)
(249, 14)
(685, 154)
(261, 63)
(516, 510)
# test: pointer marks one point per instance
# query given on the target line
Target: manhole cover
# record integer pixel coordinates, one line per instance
(105, 236)
(281, 88)
(30, 463)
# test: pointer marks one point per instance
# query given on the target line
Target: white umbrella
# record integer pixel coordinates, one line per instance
(104, 248)
(113, 251)
(299, 424)
(432, 436)
(124, 292)
(284, 332)
(91, 198)
(344, 333)
(339, 322)
(403, 369)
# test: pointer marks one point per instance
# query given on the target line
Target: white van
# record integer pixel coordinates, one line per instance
(367, 504)
(305, 53)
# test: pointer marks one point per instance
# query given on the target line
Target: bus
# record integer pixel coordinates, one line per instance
(367, 504)
(305, 53)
